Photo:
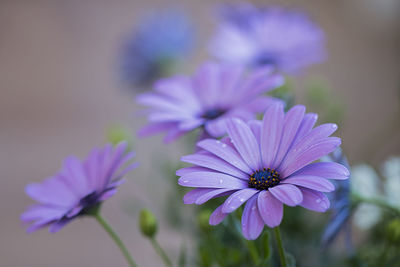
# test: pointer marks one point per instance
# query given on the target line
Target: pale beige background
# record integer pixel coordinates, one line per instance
(59, 91)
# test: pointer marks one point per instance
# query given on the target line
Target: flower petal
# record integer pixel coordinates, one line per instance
(225, 152)
(217, 216)
(211, 180)
(316, 135)
(245, 143)
(329, 170)
(287, 193)
(271, 209)
(255, 126)
(201, 195)
(306, 126)
(311, 182)
(314, 200)
(291, 124)
(271, 132)
(252, 223)
(187, 170)
(310, 154)
(235, 200)
(213, 162)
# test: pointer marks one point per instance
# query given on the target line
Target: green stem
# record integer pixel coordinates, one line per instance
(357, 199)
(161, 252)
(280, 246)
(253, 251)
(116, 239)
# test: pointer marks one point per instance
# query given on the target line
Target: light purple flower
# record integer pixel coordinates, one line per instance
(77, 187)
(267, 164)
(285, 39)
(163, 38)
(208, 99)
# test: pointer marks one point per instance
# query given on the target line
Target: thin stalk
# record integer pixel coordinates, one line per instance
(253, 251)
(280, 246)
(161, 252)
(377, 202)
(115, 238)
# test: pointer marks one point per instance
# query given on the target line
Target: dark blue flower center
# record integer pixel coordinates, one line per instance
(89, 200)
(212, 114)
(265, 59)
(264, 179)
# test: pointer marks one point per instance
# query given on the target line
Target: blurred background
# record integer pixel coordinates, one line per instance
(61, 92)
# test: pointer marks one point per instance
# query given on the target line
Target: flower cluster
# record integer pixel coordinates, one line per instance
(253, 149)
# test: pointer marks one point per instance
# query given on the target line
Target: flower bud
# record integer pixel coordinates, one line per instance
(393, 231)
(147, 223)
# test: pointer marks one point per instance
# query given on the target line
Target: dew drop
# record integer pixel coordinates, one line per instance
(221, 181)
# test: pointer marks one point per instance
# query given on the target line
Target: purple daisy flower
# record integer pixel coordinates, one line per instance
(267, 164)
(162, 38)
(213, 95)
(285, 39)
(77, 187)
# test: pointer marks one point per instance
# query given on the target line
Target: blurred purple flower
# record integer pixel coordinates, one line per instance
(341, 204)
(267, 163)
(208, 99)
(77, 187)
(161, 39)
(285, 39)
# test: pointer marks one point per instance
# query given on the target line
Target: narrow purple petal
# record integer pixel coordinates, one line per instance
(213, 162)
(39, 211)
(235, 200)
(311, 182)
(126, 170)
(109, 193)
(191, 196)
(255, 126)
(291, 124)
(188, 125)
(245, 142)
(211, 180)
(314, 200)
(252, 223)
(217, 216)
(260, 104)
(225, 152)
(210, 195)
(51, 191)
(155, 128)
(306, 126)
(216, 128)
(57, 226)
(316, 135)
(205, 83)
(172, 135)
(201, 195)
(271, 132)
(287, 193)
(188, 170)
(271, 209)
(329, 170)
(310, 154)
